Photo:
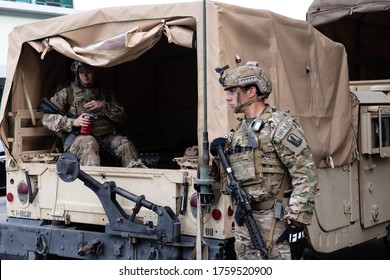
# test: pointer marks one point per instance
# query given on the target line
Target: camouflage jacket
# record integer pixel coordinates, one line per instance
(71, 100)
(278, 146)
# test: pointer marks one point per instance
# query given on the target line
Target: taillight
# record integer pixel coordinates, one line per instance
(10, 197)
(22, 188)
(194, 201)
(194, 205)
(22, 192)
(230, 211)
(216, 214)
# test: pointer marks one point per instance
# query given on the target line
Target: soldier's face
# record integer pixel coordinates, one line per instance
(86, 76)
(234, 97)
(231, 96)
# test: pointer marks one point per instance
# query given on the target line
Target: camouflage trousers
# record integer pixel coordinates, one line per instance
(86, 149)
(246, 250)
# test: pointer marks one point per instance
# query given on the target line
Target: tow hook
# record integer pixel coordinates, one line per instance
(93, 247)
(41, 245)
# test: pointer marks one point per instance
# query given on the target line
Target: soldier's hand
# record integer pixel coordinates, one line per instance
(94, 104)
(81, 121)
(220, 141)
(239, 216)
(296, 237)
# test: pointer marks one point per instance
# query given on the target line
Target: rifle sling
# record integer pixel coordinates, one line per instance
(70, 138)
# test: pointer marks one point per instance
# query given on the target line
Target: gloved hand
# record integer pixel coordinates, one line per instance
(220, 141)
(296, 238)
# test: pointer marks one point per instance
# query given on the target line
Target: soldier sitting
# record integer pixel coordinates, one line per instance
(95, 114)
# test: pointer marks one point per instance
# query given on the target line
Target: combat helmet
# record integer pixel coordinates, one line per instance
(75, 67)
(248, 74)
(78, 65)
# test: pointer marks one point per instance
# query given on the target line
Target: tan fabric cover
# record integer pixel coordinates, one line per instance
(326, 11)
(308, 71)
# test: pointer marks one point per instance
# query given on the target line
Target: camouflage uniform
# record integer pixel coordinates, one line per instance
(268, 155)
(86, 148)
(260, 160)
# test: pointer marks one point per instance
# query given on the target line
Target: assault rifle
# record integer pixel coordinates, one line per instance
(48, 107)
(243, 206)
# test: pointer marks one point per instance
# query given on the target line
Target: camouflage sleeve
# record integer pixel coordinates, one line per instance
(111, 108)
(56, 122)
(294, 152)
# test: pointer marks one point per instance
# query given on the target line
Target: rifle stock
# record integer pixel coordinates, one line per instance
(48, 107)
(243, 204)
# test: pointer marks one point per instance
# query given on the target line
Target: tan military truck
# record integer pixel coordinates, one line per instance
(352, 207)
(161, 61)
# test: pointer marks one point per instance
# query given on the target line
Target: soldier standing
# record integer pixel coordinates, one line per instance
(96, 113)
(271, 159)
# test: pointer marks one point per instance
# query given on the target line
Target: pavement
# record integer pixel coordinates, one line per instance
(3, 205)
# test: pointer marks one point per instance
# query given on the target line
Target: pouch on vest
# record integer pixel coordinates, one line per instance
(243, 166)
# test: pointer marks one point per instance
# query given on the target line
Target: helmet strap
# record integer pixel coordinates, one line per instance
(249, 102)
(239, 106)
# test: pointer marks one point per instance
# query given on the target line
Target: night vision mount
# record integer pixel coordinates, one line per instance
(221, 70)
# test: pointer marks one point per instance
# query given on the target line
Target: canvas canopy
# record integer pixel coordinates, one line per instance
(308, 71)
(326, 11)
(363, 27)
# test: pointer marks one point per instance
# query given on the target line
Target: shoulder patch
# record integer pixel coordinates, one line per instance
(295, 141)
(283, 128)
(290, 135)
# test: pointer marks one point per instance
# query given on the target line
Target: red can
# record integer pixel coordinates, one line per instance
(86, 130)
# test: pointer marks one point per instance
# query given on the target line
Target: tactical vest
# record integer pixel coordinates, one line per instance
(77, 97)
(251, 153)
